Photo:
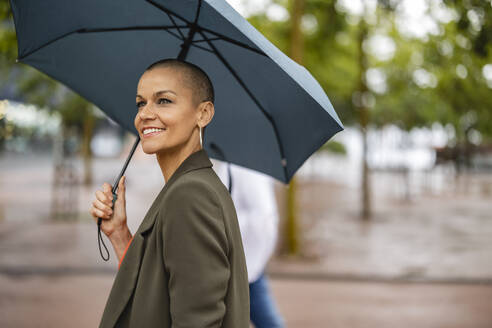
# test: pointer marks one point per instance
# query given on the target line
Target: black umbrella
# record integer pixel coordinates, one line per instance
(265, 102)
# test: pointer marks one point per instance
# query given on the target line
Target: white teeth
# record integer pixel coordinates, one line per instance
(146, 131)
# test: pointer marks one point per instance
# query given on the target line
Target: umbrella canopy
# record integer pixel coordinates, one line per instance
(270, 113)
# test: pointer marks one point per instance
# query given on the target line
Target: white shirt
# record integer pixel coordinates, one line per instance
(256, 208)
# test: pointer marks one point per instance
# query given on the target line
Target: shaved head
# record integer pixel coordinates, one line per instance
(192, 76)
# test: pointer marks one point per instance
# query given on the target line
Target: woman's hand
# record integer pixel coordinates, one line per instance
(112, 219)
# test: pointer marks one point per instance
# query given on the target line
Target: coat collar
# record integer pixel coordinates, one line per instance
(194, 161)
(126, 278)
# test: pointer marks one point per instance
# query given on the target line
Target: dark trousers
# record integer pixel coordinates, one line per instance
(263, 311)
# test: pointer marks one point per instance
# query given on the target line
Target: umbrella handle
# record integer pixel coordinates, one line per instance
(115, 196)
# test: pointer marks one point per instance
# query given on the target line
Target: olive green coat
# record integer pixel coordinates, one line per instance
(185, 266)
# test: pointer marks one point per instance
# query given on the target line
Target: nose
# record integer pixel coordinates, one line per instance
(146, 113)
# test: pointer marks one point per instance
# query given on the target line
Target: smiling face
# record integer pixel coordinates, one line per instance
(167, 118)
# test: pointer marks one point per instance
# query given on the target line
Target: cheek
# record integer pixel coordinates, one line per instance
(174, 120)
(166, 119)
(185, 124)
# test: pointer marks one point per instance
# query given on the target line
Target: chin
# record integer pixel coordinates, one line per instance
(155, 148)
(149, 151)
(152, 148)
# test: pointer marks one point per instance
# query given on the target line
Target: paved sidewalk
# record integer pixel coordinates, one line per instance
(423, 263)
(77, 300)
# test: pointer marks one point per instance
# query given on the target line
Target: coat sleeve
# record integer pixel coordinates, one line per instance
(195, 253)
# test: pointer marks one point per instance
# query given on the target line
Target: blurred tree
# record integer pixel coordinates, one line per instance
(334, 147)
(462, 83)
(439, 77)
(34, 87)
(360, 95)
(296, 51)
(332, 53)
(337, 56)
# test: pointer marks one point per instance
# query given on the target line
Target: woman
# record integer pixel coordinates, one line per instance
(185, 265)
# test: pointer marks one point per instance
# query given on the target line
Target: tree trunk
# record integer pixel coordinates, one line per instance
(364, 121)
(88, 130)
(296, 53)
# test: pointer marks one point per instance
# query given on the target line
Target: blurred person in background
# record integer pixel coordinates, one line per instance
(253, 195)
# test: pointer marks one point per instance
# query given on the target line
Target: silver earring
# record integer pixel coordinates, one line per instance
(201, 142)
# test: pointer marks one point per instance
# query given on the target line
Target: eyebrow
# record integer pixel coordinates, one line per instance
(158, 93)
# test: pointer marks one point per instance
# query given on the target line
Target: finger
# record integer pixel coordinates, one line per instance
(121, 189)
(101, 196)
(103, 207)
(106, 187)
(107, 190)
(97, 213)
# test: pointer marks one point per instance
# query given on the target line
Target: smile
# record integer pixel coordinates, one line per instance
(150, 132)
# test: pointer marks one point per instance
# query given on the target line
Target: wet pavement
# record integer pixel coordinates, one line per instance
(423, 261)
(78, 300)
(430, 238)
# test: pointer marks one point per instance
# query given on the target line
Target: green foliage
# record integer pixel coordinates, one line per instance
(8, 42)
(32, 86)
(334, 147)
(331, 55)
(330, 62)
(469, 12)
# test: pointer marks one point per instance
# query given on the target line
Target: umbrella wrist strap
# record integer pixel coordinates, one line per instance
(99, 235)
(101, 241)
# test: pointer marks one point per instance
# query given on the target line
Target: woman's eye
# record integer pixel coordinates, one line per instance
(140, 103)
(164, 101)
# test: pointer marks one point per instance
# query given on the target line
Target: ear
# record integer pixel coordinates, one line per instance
(206, 112)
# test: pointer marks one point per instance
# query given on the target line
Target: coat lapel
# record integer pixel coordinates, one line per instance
(196, 160)
(127, 275)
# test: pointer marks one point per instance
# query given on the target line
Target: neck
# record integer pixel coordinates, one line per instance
(170, 159)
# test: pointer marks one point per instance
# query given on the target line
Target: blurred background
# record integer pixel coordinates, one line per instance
(387, 225)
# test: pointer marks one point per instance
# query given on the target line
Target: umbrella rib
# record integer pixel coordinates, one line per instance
(44, 45)
(136, 28)
(211, 39)
(238, 43)
(185, 47)
(167, 11)
(174, 23)
(95, 30)
(221, 36)
(267, 115)
(174, 34)
(203, 48)
(128, 28)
